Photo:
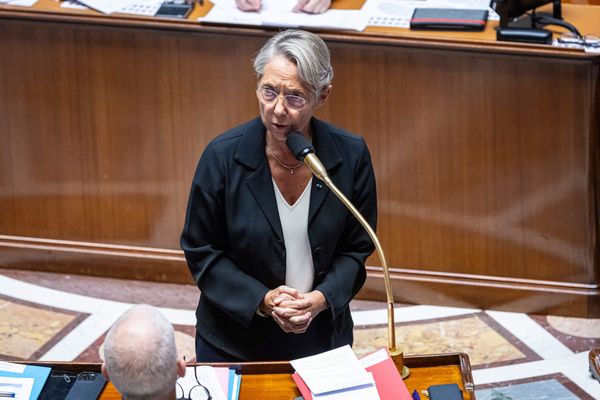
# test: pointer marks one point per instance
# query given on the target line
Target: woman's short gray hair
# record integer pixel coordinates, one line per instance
(306, 50)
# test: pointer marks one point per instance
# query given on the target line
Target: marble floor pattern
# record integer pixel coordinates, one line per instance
(45, 316)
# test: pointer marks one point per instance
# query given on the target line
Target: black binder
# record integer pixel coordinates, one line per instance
(449, 19)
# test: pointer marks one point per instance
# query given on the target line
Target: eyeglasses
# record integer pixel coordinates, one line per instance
(196, 392)
(571, 39)
(292, 101)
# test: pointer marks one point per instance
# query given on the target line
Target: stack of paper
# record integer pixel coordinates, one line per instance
(388, 384)
(280, 13)
(22, 382)
(336, 374)
(222, 383)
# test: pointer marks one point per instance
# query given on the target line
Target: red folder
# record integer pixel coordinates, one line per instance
(390, 384)
(304, 390)
(388, 381)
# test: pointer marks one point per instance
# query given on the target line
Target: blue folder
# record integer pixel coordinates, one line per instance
(39, 375)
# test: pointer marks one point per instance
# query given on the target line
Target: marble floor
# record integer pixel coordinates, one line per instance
(45, 316)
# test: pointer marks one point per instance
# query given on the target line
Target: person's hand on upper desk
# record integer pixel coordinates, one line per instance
(313, 6)
(307, 6)
(248, 5)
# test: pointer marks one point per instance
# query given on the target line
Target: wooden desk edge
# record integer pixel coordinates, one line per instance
(460, 360)
(378, 38)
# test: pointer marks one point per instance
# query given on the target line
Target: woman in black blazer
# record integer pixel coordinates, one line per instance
(277, 257)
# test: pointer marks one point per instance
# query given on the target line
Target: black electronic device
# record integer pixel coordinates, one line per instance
(175, 9)
(517, 16)
(449, 391)
(530, 35)
(449, 19)
(88, 386)
(510, 10)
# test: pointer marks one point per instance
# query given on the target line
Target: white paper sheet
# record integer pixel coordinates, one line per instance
(137, 7)
(12, 367)
(142, 7)
(207, 377)
(374, 358)
(21, 387)
(332, 371)
(22, 3)
(280, 13)
(368, 392)
(74, 4)
(107, 6)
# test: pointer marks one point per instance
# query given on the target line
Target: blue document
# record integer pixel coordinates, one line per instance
(234, 385)
(39, 375)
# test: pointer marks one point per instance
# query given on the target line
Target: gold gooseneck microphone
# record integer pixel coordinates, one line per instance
(304, 151)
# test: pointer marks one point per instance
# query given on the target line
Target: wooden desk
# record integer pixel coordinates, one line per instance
(273, 380)
(486, 153)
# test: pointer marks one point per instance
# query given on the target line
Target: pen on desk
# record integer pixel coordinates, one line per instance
(415, 395)
(9, 395)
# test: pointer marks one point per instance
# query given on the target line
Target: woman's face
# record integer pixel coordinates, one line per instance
(282, 116)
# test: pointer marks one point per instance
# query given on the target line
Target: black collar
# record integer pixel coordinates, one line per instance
(251, 148)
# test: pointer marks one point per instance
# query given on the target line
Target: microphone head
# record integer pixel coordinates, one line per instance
(299, 145)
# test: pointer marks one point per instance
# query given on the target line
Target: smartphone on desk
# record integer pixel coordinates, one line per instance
(175, 9)
(88, 386)
(448, 391)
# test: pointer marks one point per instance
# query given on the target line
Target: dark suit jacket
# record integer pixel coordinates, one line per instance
(233, 240)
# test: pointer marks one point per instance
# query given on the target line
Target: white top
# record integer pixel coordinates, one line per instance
(299, 268)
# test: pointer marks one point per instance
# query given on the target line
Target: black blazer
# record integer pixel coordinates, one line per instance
(233, 240)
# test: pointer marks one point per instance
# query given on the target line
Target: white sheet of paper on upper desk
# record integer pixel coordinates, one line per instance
(138, 7)
(142, 7)
(107, 6)
(332, 370)
(280, 13)
(22, 3)
(397, 13)
(74, 4)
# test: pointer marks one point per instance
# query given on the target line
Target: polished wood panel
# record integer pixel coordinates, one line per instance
(486, 153)
(272, 380)
(485, 179)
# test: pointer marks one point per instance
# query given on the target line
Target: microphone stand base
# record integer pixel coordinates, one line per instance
(398, 359)
(405, 372)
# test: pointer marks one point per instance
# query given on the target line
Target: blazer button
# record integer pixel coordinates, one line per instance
(317, 250)
(320, 274)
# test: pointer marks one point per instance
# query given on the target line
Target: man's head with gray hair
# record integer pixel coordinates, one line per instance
(140, 357)
(304, 49)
